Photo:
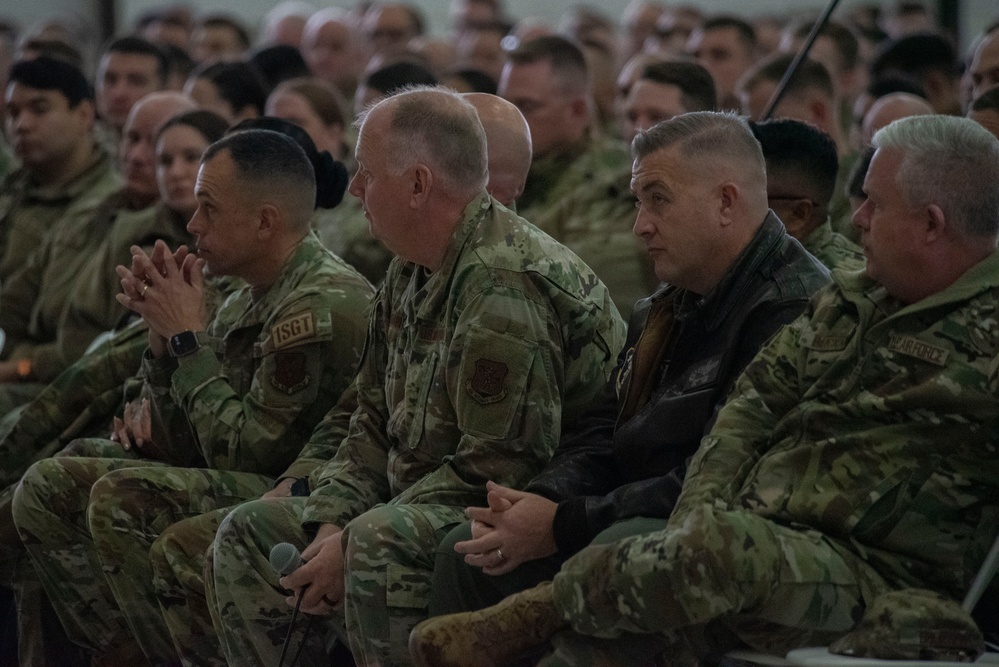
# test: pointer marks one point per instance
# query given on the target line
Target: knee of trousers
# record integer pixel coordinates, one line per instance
(112, 509)
(40, 487)
(385, 534)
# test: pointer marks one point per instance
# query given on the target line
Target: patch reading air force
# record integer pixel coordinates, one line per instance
(293, 329)
(290, 372)
(487, 383)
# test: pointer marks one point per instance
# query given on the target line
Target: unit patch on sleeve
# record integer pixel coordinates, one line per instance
(487, 383)
(293, 329)
(290, 372)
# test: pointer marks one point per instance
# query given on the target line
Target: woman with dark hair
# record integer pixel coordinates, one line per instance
(93, 309)
(318, 108)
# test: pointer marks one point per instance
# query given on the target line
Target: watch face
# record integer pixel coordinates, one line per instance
(183, 343)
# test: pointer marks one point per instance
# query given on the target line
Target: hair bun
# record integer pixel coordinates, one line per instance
(331, 180)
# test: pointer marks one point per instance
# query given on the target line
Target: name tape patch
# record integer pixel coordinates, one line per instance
(293, 329)
(913, 347)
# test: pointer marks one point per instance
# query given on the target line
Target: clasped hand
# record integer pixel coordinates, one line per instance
(514, 528)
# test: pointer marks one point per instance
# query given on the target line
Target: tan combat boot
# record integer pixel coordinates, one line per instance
(490, 637)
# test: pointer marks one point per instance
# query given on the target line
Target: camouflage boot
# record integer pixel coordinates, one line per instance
(490, 637)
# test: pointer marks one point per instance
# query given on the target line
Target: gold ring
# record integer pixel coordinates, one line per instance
(142, 294)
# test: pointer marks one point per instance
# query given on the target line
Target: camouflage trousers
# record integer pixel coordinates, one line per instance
(773, 587)
(89, 540)
(388, 560)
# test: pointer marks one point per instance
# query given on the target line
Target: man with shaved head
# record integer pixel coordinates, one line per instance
(508, 141)
(890, 108)
(482, 325)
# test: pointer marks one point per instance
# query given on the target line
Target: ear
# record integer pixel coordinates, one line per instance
(801, 214)
(88, 114)
(935, 223)
(820, 112)
(423, 180)
(579, 107)
(268, 221)
(728, 199)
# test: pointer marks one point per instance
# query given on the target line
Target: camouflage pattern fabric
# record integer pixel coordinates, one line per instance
(285, 357)
(840, 215)
(92, 308)
(467, 376)
(28, 211)
(863, 438)
(834, 250)
(344, 230)
(32, 300)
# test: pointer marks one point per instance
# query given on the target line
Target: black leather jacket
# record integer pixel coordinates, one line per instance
(605, 468)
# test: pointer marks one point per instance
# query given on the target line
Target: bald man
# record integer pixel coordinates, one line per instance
(508, 142)
(330, 51)
(889, 109)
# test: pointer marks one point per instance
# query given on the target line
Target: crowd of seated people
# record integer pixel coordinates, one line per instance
(619, 340)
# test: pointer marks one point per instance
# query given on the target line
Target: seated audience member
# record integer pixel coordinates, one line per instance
(481, 48)
(638, 23)
(170, 25)
(64, 174)
(33, 300)
(469, 81)
(91, 308)
(388, 27)
(234, 90)
(801, 176)
(218, 38)
(985, 110)
(664, 90)
(317, 108)
(853, 459)
(331, 51)
(389, 79)
(508, 142)
(285, 23)
(729, 285)
(130, 69)
(876, 89)
(179, 68)
(468, 394)
(855, 184)
(984, 67)
(810, 97)
(236, 396)
(930, 60)
(726, 47)
(890, 108)
(574, 191)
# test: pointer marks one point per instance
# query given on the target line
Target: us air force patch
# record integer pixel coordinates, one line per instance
(487, 383)
(290, 372)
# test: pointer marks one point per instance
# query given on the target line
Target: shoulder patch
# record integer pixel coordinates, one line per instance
(293, 329)
(290, 372)
(487, 382)
(913, 347)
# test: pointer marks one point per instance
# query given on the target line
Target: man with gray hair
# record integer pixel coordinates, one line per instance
(853, 465)
(485, 338)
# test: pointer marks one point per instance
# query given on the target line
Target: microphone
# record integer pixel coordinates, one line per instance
(285, 558)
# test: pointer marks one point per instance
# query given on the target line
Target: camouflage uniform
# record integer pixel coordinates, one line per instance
(857, 455)
(834, 250)
(32, 301)
(241, 405)
(467, 376)
(92, 308)
(840, 215)
(29, 211)
(583, 200)
(345, 232)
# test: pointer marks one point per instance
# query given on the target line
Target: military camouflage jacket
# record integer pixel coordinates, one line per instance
(28, 211)
(469, 371)
(874, 423)
(269, 368)
(32, 300)
(834, 250)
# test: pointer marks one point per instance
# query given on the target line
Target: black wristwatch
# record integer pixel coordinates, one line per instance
(183, 344)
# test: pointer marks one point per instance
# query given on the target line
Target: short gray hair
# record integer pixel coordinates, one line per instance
(704, 133)
(436, 126)
(951, 162)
